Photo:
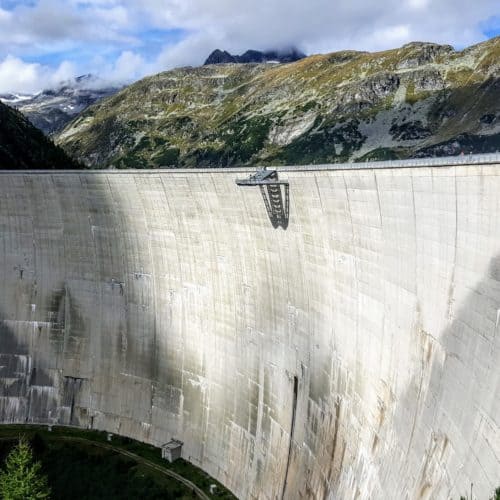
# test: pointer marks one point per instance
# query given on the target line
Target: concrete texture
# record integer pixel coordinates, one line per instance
(165, 304)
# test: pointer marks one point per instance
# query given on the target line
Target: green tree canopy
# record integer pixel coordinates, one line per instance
(21, 478)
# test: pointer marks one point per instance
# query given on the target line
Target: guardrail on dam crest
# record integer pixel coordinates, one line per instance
(354, 354)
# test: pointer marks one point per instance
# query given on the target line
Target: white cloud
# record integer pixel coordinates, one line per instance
(190, 51)
(4, 15)
(65, 71)
(15, 75)
(393, 36)
(120, 27)
(117, 17)
(316, 25)
(128, 67)
(19, 76)
(418, 4)
(54, 25)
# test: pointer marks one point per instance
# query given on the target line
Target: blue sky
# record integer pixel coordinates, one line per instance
(46, 41)
(491, 27)
(148, 44)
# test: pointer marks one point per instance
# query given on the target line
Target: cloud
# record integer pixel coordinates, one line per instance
(189, 52)
(316, 25)
(4, 15)
(113, 37)
(52, 25)
(128, 67)
(418, 4)
(19, 76)
(282, 22)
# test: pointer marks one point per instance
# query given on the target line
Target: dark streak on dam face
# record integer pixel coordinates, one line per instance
(354, 354)
(292, 428)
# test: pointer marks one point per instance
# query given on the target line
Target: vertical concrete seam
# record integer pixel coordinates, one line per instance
(378, 198)
(354, 254)
(319, 193)
(415, 233)
(154, 298)
(455, 248)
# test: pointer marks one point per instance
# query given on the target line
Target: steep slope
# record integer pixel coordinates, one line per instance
(420, 100)
(22, 146)
(52, 109)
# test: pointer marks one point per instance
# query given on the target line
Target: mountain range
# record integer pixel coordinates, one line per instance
(422, 99)
(51, 109)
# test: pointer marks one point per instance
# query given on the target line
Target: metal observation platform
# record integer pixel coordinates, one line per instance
(276, 200)
(275, 192)
(261, 178)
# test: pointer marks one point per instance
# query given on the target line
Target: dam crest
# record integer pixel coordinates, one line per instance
(349, 349)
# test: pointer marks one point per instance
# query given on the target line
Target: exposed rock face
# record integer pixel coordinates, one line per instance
(409, 131)
(22, 146)
(220, 57)
(51, 109)
(408, 102)
(255, 56)
(419, 53)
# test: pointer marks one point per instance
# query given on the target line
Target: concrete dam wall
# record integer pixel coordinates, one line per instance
(341, 342)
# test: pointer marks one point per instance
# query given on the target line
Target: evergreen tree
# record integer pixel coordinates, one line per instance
(21, 478)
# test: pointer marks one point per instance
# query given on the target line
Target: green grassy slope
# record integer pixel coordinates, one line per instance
(420, 99)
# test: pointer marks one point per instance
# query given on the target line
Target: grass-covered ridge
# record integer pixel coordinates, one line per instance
(335, 107)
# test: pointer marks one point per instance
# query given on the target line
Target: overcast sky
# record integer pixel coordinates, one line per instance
(44, 42)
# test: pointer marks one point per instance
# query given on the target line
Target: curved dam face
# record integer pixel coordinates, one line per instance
(351, 351)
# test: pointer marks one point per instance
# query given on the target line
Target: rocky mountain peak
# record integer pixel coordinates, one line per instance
(426, 45)
(51, 109)
(255, 56)
(420, 53)
(220, 57)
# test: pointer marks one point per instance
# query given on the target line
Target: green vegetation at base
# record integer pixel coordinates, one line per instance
(72, 457)
(22, 478)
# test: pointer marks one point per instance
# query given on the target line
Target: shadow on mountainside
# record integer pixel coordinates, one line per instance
(24, 147)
